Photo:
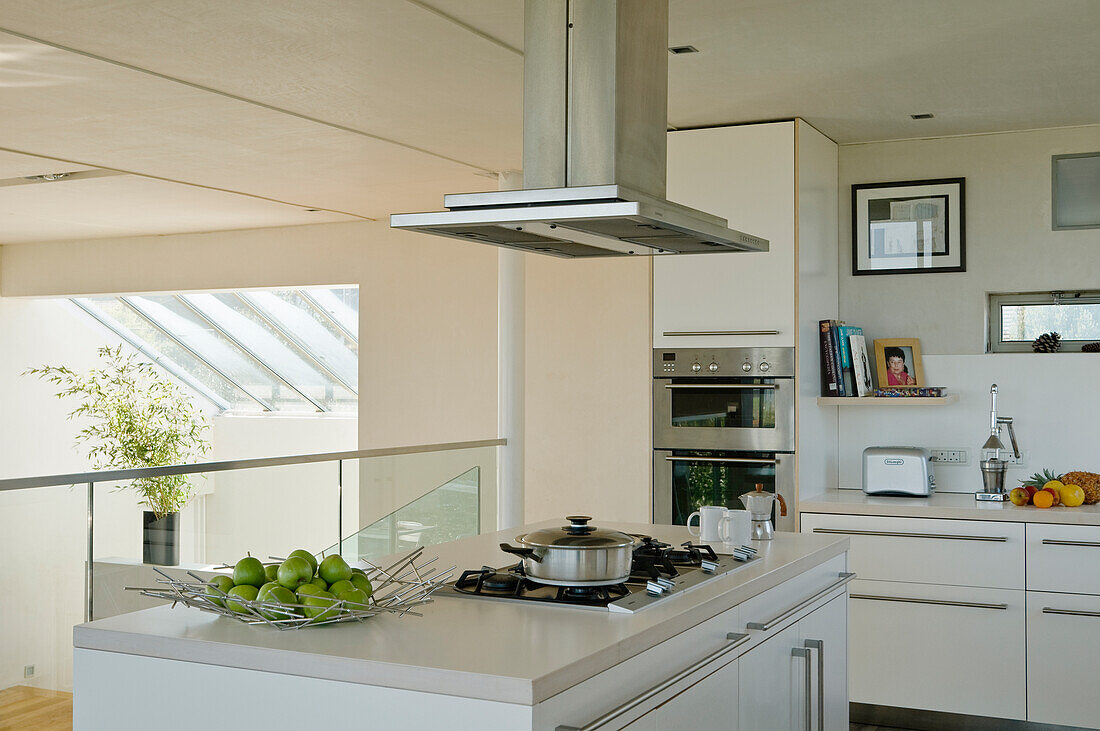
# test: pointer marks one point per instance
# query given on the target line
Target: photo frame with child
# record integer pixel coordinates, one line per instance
(898, 363)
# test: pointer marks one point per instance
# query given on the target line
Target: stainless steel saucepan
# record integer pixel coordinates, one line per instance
(577, 554)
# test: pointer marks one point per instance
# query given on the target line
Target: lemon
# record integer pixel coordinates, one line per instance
(1053, 485)
(1072, 495)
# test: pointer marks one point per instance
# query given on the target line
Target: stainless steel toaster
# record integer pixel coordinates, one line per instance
(897, 471)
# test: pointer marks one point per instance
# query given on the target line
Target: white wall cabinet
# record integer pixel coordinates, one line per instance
(745, 174)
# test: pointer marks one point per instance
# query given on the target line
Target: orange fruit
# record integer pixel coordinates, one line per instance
(1043, 499)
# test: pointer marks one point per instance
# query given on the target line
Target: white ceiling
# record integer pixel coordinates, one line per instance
(247, 113)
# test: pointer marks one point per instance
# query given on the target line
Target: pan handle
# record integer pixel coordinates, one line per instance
(524, 552)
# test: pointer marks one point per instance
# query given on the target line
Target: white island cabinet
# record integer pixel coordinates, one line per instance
(760, 647)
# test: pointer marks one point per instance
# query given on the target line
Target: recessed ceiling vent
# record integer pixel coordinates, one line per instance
(923, 115)
(595, 115)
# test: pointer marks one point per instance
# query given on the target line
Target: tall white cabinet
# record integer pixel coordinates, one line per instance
(779, 181)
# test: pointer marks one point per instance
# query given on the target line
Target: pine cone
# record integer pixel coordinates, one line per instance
(1091, 347)
(1047, 343)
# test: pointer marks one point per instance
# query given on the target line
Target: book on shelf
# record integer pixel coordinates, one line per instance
(829, 362)
(847, 364)
(861, 364)
(911, 392)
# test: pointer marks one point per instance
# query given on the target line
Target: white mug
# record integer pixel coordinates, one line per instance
(736, 527)
(710, 523)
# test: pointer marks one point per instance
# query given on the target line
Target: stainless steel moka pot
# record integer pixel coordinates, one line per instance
(994, 469)
(759, 504)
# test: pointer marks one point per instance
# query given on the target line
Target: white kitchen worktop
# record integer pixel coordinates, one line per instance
(957, 505)
(495, 650)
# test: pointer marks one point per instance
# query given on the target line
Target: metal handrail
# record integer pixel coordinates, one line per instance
(23, 483)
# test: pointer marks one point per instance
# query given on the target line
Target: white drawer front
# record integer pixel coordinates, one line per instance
(956, 552)
(1063, 558)
(766, 614)
(941, 648)
(1063, 649)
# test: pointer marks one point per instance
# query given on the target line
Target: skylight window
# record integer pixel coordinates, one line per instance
(286, 350)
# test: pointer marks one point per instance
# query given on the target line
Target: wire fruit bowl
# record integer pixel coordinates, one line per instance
(398, 588)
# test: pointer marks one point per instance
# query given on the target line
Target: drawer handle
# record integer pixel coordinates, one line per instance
(725, 386)
(804, 653)
(819, 645)
(765, 626)
(1075, 613)
(734, 638)
(941, 602)
(894, 534)
(737, 460)
(1052, 542)
(688, 333)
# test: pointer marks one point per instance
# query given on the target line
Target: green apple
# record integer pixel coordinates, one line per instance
(271, 572)
(308, 590)
(265, 590)
(294, 571)
(319, 583)
(218, 587)
(280, 595)
(340, 586)
(243, 591)
(318, 606)
(356, 599)
(249, 571)
(303, 553)
(334, 568)
(360, 581)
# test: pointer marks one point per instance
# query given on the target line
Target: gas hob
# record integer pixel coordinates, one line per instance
(659, 572)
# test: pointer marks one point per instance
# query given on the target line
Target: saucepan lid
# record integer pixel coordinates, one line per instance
(578, 534)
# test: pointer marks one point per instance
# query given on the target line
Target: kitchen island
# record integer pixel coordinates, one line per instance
(488, 664)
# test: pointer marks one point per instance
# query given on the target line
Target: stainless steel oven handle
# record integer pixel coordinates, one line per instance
(845, 577)
(735, 460)
(690, 333)
(724, 386)
(734, 639)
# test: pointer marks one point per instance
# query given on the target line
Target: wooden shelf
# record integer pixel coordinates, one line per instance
(888, 400)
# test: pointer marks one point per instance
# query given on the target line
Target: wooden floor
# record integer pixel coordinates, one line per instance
(28, 708)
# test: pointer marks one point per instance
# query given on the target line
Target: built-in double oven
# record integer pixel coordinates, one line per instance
(723, 422)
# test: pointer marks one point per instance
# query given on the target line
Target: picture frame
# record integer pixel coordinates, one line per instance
(909, 373)
(909, 227)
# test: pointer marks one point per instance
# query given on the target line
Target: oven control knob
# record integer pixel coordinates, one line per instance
(713, 367)
(765, 366)
(746, 366)
(696, 367)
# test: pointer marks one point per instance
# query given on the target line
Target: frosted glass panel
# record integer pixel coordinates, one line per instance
(1076, 190)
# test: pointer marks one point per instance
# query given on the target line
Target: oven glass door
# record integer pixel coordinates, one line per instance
(686, 480)
(752, 414)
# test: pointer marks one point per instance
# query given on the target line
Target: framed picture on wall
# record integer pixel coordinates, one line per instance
(909, 227)
(898, 363)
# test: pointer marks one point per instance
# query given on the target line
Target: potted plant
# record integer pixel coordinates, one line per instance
(137, 417)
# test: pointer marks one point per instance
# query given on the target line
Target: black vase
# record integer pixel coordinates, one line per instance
(161, 539)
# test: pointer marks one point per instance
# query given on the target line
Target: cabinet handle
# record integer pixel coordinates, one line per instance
(819, 645)
(1052, 542)
(894, 534)
(1074, 612)
(688, 333)
(804, 653)
(765, 626)
(941, 602)
(735, 639)
(725, 386)
(738, 460)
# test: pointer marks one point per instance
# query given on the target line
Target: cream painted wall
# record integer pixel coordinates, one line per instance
(588, 388)
(1009, 244)
(1010, 247)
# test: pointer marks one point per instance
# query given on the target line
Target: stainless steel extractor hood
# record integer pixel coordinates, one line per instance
(595, 109)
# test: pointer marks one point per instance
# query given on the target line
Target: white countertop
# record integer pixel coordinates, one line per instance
(496, 650)
(957, 505)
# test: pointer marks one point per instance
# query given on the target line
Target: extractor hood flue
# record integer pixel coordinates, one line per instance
(595, 110)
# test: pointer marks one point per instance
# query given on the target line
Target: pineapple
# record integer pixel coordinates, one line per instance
(1039, 479)
(1087, 481)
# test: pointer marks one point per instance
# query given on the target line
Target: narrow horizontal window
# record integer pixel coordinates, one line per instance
(1016, 320)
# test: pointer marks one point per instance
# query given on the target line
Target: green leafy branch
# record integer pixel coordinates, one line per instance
(137, 418)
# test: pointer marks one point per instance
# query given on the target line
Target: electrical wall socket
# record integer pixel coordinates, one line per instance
(28, 671)
(950, 456)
